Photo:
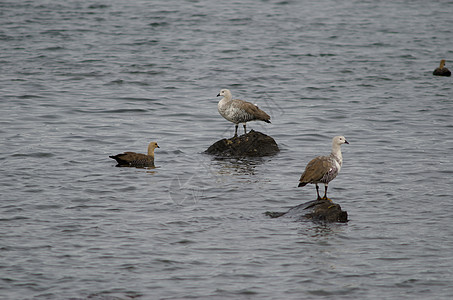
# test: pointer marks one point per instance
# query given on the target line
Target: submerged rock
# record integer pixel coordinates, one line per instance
(252, 144)
(317, 210)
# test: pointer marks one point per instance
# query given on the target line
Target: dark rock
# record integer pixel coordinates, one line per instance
(251, 144)
(316, 210)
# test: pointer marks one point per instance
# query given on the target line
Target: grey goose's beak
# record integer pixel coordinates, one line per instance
(218, 94)
(346, 142)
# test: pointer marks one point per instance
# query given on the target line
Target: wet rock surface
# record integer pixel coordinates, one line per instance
(251, 144)
(317, 210)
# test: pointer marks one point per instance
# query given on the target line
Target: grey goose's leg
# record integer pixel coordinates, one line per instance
(325, 192)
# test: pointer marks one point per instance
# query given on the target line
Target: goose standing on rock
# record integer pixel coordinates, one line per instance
(132, 159)
(442, 70)
(239, 111)
(324, 169)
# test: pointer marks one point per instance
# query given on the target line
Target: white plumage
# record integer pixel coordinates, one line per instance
(239, 111)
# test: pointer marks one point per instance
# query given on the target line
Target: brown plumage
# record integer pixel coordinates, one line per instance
(132, 159)
(323, 169)
(442, 70)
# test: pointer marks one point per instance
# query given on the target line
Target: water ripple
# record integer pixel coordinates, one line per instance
(82, 81)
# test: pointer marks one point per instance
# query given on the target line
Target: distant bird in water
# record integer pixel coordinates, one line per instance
(239, 111)
(324, 169)
(132, 159)
(442, 70)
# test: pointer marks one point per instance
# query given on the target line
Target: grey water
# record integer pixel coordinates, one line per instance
(82, 80)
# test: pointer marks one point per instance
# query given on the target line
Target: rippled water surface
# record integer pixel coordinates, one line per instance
(82, 80)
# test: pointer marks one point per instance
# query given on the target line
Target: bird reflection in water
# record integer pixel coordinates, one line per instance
(321, 230)
(223, 168)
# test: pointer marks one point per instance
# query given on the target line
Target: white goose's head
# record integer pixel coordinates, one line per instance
(225, 93)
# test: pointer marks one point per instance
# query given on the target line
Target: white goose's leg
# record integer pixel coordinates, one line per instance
(317, 191)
